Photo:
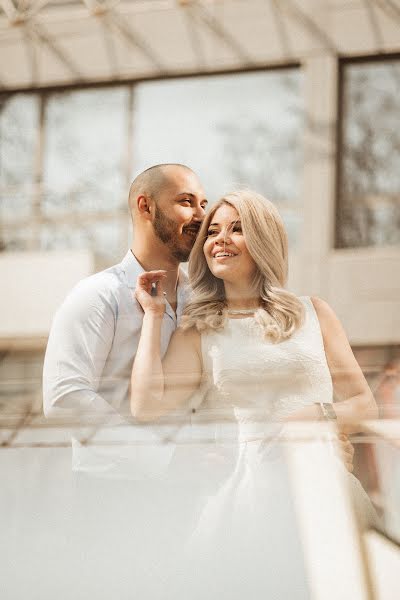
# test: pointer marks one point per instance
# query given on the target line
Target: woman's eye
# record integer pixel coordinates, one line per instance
(212, 232)
(237, 229)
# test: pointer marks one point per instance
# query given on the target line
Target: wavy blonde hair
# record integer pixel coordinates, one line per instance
(281, 313)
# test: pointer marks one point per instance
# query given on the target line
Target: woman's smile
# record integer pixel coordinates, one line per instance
(225, 248)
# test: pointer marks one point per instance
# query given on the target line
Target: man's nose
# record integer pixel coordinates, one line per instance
(199, 212)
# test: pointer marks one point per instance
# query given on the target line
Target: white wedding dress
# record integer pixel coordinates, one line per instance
(245, 541)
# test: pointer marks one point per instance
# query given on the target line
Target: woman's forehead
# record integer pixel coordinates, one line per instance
(225, 213)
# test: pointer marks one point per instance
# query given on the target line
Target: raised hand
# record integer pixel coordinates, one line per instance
(149, 291)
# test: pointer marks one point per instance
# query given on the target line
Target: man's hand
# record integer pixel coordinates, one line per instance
(149, 292)
(346, 451)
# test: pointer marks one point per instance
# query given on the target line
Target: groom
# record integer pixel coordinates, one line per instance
(95, 333)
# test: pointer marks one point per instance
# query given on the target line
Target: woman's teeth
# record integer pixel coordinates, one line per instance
(220, 254)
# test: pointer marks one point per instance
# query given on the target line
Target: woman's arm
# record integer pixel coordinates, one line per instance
(354, 401)
(159, 387)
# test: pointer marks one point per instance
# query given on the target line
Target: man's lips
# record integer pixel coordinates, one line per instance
(192, 231)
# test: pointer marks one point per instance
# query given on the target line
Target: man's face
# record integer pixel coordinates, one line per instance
(179, 211)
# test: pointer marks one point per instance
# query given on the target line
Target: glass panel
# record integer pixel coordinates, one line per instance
(233, 130)
(103, 238)
(16, 203)
(369, 207)
(19, 116)
(13, 239)
(84, 151)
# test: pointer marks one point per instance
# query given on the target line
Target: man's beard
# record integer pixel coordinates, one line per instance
(168, 232)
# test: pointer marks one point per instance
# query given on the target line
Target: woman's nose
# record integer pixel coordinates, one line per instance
(223, 237)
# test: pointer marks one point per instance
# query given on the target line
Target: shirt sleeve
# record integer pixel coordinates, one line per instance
(80, 340)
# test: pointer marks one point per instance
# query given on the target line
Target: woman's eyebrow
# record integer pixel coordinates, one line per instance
(236, 222)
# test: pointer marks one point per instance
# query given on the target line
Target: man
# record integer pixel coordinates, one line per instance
(95, 332)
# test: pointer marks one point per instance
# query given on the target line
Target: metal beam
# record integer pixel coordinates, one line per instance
(109, 42)
(31, 55)
(375, 27)
(10, 10)
(301, 17)
(34, 8)
(281, 28)
(194, 39)
(54, 47)
(136, 41)
(203, 15)
(390, 9)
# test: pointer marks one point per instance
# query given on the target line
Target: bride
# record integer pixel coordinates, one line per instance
(266, 357)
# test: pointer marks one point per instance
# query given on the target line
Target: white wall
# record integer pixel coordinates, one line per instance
(34, 285)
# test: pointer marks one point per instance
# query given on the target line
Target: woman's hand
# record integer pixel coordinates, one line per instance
(149, 292)
(347, 452)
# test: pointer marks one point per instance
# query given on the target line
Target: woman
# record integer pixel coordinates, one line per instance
(267, 357)
(238, 270)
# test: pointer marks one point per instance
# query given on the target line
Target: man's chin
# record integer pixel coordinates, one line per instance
(181, 255)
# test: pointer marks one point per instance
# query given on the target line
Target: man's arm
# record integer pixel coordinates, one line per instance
(80, 341)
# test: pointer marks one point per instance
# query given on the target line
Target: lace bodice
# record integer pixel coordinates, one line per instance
(248, 374)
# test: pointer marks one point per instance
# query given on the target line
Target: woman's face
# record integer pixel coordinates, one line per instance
(225, 248)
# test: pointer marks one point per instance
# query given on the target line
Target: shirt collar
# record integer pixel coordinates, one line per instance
(132, 269)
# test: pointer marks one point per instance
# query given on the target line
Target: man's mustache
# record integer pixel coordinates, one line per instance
(194, 227)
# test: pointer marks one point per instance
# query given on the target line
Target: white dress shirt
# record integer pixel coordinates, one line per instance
(93, 341)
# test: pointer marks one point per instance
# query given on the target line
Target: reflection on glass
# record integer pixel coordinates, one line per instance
(16, 204)
(369, 208)
(17, 239)
(18, 141)
(84, 151)
(103, 238)
(233, 130)
(378, 467)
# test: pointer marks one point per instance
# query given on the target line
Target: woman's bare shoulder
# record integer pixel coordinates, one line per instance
(329, 322)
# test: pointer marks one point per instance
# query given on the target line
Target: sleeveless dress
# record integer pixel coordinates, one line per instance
(245, 542)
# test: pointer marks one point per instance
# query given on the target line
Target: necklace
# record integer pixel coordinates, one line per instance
(243, 311)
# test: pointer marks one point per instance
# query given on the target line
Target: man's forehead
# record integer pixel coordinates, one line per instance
(183, 181)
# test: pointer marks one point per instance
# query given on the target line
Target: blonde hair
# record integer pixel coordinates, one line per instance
(281, 313)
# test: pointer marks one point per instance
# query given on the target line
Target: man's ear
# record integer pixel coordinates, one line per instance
(144, 206)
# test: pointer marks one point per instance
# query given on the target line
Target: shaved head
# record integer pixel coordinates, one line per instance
(152, 182)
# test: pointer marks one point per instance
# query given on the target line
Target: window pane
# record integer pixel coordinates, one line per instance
(84, 151)
(102, 237)
(369, 207)
(233, 130)
(14, 240)
(19, 115)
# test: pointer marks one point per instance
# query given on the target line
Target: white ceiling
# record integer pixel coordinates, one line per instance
(62, 42)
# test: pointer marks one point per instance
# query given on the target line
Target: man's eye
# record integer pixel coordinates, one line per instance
(186, 200)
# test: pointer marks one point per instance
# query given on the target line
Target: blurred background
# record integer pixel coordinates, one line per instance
(296, 98)
(299, 99)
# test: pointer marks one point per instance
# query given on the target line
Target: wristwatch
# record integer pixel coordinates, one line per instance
(327, 410)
